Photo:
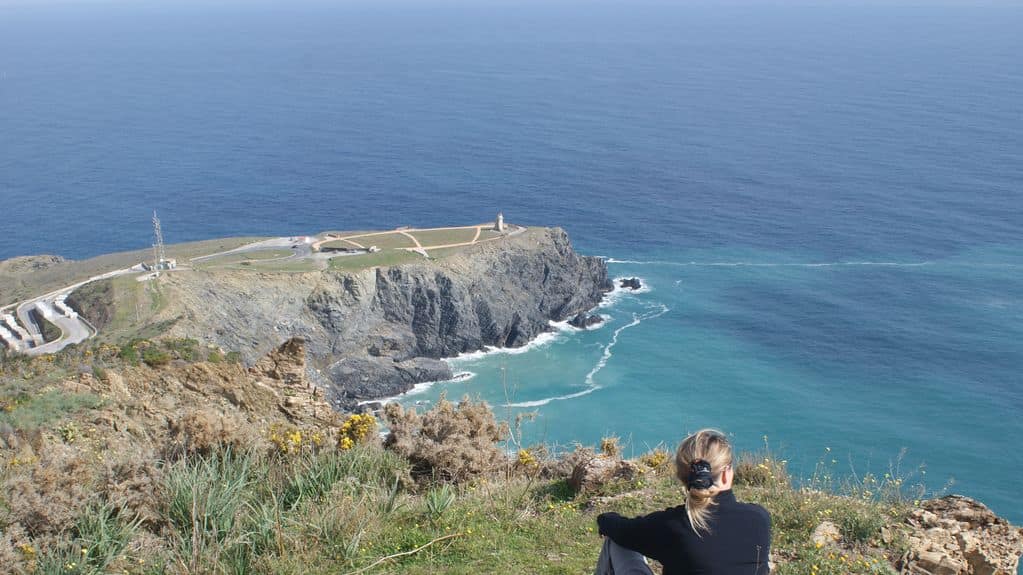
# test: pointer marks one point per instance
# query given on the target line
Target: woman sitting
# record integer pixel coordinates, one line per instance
(711, 534)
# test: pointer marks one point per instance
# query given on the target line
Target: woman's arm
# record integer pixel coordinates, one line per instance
(644, 534)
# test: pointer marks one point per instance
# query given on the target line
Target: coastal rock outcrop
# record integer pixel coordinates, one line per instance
(377, 332)
(584, 320)
(630, 283)
(956, 535)
(592, 473)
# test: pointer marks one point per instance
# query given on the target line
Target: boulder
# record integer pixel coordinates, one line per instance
(825, 534)
(584, 320)
(593, 473)
(630, 283)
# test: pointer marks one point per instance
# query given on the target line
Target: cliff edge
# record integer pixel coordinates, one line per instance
(377, 332)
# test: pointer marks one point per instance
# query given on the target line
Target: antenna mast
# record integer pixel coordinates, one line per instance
(158, 252)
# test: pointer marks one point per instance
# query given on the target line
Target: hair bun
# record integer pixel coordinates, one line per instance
(700, 476)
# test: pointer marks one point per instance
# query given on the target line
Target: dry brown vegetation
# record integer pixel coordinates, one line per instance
(108, 464)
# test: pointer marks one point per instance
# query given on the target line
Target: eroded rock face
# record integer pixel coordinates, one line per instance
(956, 535)
(286, 363)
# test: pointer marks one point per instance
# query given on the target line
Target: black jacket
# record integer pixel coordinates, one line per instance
(738, 542)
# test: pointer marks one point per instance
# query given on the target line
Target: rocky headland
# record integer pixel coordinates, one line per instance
(379, 331)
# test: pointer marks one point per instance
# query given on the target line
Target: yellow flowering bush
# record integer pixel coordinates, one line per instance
(655, 459)
(289, 439)
(527, 459)
(28, 551)
(355, 430)
(610, 447)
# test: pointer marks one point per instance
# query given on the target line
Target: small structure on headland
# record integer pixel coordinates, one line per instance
(499, 222)
(160, 259)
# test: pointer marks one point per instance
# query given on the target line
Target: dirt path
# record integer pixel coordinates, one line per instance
(419, 247)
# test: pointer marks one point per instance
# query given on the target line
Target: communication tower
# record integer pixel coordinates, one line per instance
(159, 256)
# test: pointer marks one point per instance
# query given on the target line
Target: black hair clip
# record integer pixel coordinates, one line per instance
(700, 476)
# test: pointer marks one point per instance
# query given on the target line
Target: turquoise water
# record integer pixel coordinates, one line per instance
(755, 139)
(761, 345)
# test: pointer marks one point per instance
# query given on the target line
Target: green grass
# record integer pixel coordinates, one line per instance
(488, 234)
(49, 330)
(15, 288)
(27, 411)
(282, 266)
(345, 244)
(379, 259)
(429, 238)
(135, 305)
(339, 511)
(236, 258)
(441, 253)
(384, 241)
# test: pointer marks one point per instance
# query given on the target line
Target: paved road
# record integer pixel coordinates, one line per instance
(73, 330)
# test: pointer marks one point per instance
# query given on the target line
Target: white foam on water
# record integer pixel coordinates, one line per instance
(539, 341)
(612, 297)
(768, 264)
(589, 380)
(419, 388)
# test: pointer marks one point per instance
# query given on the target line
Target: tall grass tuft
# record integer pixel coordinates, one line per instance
(205, 496)
(438, 500)
(103, 532)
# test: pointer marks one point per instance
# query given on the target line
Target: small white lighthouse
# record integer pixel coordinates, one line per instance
(499, 222)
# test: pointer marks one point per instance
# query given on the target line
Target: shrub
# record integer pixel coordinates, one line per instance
(154, 357)
(655, 459)
(289, 439)
(183, 348)
(610, 447)
(233, 357)
(100, 374)
(356, 429)
(129, 354)
(69, 432)
(449, 442)
(760, 471)
(205, 431)
(46, 498)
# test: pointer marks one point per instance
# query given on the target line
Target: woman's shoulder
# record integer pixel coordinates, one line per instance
(755, 510)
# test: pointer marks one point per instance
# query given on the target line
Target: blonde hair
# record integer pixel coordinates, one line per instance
(710, 446)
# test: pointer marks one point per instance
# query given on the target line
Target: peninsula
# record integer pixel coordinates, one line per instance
(379, 310)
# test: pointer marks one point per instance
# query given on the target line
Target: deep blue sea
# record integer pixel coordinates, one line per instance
(825, 199)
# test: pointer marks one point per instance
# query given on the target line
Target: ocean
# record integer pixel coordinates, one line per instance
(823, 200)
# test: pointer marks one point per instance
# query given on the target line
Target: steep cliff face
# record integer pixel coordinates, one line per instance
(379, 331)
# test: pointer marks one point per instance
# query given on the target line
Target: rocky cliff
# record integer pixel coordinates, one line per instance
(377, 332)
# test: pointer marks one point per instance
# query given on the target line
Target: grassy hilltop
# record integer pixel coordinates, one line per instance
(168, 457)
